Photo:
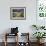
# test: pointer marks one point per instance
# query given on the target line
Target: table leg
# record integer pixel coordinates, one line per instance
(5, 40)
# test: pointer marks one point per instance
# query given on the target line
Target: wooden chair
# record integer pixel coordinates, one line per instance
(27, 37)
(8, 34)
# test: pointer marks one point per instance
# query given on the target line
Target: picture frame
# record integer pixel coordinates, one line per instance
(18, 13)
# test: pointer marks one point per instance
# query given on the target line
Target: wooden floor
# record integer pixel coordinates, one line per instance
(13, 44)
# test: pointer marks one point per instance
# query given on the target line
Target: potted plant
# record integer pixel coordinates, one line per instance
(39, 35)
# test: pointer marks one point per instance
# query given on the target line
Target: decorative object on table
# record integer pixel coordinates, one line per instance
(18, 13)
(14, 30)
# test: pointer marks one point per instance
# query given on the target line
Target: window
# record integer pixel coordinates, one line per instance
(41, 8)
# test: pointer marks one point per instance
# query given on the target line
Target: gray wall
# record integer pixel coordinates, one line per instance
(24, 25)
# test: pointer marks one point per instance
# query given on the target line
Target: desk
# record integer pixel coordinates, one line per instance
(8, 34)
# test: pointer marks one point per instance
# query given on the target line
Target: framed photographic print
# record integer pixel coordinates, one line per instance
(18, 13)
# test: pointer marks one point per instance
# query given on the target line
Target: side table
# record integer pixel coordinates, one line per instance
(8, 34)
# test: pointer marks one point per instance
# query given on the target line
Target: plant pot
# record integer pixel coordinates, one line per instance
(40, 41)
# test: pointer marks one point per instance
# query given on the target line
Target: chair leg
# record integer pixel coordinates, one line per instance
(17, 41)
(5, 43)
(5, 39)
